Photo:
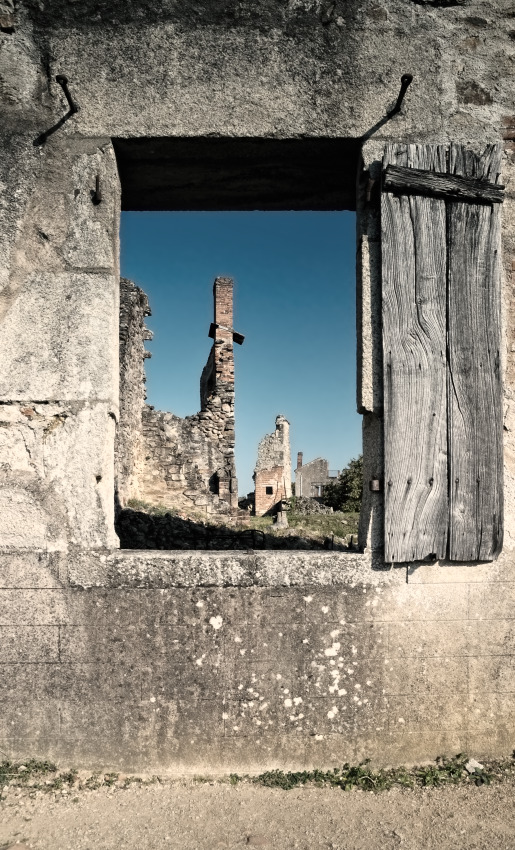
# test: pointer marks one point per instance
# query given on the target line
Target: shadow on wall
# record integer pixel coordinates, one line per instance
(139, 530)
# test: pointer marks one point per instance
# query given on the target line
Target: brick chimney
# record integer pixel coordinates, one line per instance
(299, 459)
(223, 348)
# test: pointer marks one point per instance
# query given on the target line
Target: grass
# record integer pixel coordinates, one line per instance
(338, 523)
(315, 525)
(148, 508)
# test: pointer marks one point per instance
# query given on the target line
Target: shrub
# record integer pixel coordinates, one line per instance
(346, 492)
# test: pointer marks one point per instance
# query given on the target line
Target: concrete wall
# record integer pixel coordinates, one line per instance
(185, 662)
(133, 670)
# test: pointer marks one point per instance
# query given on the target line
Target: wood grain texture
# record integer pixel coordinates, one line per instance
(449, 186)
(474, 375)
(414, 350)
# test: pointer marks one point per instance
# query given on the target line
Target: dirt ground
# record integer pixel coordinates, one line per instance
(218, 816)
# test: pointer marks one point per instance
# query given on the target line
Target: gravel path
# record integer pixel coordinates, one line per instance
(218, 816)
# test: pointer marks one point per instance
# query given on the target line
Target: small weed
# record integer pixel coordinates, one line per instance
(22, 772)
(93, 782)
(234, 779)
(132, 780)
(110, 779)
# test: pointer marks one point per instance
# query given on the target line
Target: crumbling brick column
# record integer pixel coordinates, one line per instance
(272, 476)
(217, 391)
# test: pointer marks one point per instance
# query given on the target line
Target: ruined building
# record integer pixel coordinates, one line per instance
(163, 459)
(272, 475)
(311, 477)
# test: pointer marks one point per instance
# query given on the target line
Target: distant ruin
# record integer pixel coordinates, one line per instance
(312, 477)
(181, 463)
(272, 475)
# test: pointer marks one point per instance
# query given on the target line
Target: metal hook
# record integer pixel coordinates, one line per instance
(406, 81)
(63, 82)
(96, 196)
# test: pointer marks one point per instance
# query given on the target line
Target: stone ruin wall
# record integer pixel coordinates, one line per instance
(182, 463)
(314, 472)
(273, 468)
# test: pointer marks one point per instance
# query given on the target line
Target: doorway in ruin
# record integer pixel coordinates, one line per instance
(278, 217)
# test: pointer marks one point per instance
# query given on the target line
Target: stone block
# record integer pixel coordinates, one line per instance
(492, 674)
(430, 639)
(493, 602)
(445, 711)
(29, 570)
(78, 311)
(495, 637)
(30, 720)
(29, 644)
(33, 607)
(258, 680)
(412, 675)
(352, 714)
(418, 603)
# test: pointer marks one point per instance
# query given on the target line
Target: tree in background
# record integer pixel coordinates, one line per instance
(346, 492)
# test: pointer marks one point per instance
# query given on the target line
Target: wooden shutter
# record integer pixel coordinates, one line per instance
(441, 346)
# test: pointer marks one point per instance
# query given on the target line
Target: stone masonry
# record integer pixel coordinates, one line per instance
(272, 475)
(163, 459)
(219, 662)
(134, 308)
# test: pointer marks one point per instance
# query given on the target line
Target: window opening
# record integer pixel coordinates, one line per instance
(169, 262)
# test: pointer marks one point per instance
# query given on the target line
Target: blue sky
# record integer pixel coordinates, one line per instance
(294, 300)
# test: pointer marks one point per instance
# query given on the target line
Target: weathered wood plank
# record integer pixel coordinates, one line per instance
(414, 348)
(415, 181)
(474, 374)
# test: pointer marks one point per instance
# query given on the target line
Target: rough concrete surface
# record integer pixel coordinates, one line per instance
(192, 816)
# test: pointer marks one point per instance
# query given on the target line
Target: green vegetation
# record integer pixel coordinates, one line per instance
(338, 523)
(148, 508)
(446, 771)
(34, 776)
(346, 492)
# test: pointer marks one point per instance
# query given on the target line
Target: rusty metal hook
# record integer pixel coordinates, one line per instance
(63, 82)
(406, 81)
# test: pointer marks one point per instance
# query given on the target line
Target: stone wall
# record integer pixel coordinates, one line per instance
(272, 475)
(182, 463)
(172, 661)
(311, 474)
(134, 308)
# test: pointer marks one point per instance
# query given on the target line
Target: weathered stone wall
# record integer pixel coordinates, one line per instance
(138, 670)
(134, 308)
(272, 475)
(315, 472)
(190, 662)
(178, 463)
(59, 289)
(181, 463)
